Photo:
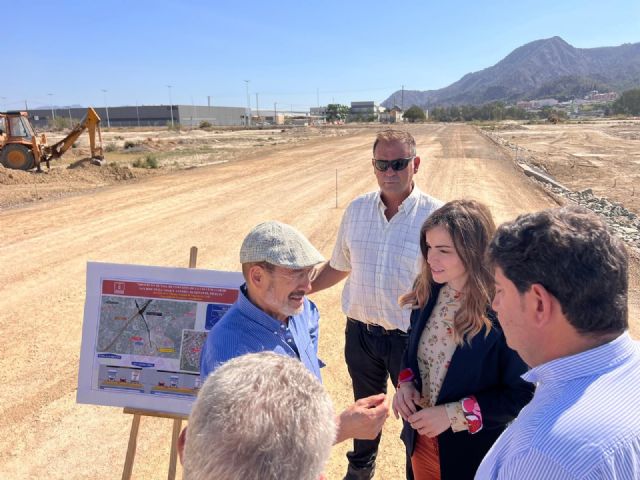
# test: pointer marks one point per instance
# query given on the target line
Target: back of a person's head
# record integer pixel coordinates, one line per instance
(262, 415)
(572, 253)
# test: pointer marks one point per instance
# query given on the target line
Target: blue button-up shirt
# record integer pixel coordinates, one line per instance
(582, 423)
(247, 329)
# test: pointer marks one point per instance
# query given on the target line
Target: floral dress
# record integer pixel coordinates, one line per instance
(435, 350)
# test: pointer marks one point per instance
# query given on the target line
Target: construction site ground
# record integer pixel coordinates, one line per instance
(51, 224)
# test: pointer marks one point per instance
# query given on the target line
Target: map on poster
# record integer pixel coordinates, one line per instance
(143, 332)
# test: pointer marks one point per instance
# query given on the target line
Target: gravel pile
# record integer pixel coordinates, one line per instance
(624, 222)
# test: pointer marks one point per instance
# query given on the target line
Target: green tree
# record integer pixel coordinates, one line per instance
(336, 111)
(628, 103)
(415, 114)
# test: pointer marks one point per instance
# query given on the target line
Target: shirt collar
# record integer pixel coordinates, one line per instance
(591, 362)
(254, 313)
(407, 204)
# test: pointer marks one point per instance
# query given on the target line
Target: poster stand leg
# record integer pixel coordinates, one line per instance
(173, 455)
(137, 415)
(131, 448)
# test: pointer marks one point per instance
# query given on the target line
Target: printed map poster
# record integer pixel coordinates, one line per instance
(143, 332)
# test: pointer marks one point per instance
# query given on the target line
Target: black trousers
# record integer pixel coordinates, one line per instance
(372, 355)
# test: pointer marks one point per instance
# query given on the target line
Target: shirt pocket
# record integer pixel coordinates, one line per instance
(410, 256)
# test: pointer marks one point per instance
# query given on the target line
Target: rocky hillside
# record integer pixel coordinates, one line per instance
(543, 68)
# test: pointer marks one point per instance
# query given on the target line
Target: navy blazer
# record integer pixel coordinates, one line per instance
(486, 368)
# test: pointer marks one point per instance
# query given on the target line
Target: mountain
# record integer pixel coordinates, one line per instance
(543, 68)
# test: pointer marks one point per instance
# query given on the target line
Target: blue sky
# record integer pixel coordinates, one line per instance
(295, 53)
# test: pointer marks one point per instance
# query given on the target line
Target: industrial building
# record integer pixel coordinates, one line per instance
(365, 111)
(146, 115)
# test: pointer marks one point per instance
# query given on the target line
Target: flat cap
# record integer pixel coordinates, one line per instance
(279, 244)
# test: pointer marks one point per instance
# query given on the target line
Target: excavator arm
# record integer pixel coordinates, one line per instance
(91, 123)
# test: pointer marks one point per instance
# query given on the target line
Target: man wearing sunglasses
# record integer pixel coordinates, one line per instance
(378, 250)
(272, 313)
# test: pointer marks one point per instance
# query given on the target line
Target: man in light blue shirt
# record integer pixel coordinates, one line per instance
(561, 298)
(272, 313)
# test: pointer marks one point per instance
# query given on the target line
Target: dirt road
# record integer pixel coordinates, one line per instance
(44, 249)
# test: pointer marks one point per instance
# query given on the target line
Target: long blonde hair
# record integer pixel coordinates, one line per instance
(471, 227)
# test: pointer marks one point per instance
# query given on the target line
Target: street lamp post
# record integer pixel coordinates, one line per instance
(106, 107)
(170, 104)
(248, 104)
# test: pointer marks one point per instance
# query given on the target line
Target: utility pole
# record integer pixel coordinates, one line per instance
(318, 97)
(170, 104)
(137, 113)
(106, 107)
(275, 113)
(248, 115)
(53, 114)
(257, 108)
(402, 106)
(70, 120)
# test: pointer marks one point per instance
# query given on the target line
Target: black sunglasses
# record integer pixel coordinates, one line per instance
(396, 165)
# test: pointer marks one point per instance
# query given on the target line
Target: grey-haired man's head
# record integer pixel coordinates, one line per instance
(261, 415)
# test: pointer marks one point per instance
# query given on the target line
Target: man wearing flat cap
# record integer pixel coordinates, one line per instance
(272, 313)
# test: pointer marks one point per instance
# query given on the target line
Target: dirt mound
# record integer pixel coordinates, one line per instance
(21, 187)
(13, 177)
(118, 172)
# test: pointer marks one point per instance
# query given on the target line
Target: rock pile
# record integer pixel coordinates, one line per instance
(624, 222)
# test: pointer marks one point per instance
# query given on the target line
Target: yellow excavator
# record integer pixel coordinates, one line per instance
(21, 149)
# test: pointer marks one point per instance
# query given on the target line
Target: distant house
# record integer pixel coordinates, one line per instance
(392, 116)
(595, 96)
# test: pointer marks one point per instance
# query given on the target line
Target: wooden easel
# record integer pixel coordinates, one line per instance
(138, 413)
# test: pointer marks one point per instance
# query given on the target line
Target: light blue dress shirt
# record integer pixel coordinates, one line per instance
(247, 329)
(583, 422)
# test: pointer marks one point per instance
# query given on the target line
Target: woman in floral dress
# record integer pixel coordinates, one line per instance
(460, 383)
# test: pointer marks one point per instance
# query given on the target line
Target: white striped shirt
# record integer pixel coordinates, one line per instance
(382, 255)
(583, 422)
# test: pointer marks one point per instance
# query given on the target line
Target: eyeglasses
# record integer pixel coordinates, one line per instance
(297, 275)
(396, 165)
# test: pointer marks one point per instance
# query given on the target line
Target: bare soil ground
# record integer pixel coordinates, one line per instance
(124, 149)
(44, 247)
(601, 155)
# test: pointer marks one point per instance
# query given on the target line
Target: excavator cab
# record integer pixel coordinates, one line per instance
(18, 141)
